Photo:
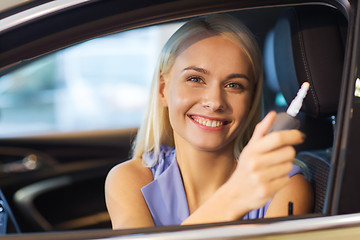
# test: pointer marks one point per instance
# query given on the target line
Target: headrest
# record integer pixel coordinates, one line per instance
(309, 45)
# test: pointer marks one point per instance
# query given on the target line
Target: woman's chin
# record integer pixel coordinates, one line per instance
(211, 146)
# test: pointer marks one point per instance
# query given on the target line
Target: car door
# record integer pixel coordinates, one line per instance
(343, 197)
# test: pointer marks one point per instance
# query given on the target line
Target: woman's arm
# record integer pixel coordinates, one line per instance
(124, 200)
(299, 192)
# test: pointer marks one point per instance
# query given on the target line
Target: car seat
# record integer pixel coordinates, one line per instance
(307, 43)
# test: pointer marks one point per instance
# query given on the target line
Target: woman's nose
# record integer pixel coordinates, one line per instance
(213, 99)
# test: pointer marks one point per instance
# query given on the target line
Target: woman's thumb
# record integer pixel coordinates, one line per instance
(263, 127)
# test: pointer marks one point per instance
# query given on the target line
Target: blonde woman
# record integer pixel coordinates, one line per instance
(198, 156)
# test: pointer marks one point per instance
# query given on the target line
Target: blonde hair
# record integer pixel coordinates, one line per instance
(156, 129)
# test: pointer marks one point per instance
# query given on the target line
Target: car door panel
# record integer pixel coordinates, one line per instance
(64, 187)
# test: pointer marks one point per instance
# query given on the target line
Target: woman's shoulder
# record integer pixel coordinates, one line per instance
(125, 203)
(130, 172)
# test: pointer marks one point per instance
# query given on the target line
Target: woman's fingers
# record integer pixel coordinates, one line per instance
(262, 189)
(259, 162)
(277, 171)
(269, 169)
(278, 139)
(262, 142)
(272, 149)
(278, 156)
(285, 137)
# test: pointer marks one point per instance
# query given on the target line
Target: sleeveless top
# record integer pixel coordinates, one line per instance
(165, 195)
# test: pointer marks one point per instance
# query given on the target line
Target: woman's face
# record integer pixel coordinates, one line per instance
(208, 93)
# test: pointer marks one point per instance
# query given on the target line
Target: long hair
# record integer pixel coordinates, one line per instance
(155, 129)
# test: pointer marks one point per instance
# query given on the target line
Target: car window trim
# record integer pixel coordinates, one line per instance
(37, 12)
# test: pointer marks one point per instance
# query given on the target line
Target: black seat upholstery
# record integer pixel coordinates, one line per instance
(318, 166)
(308, 46)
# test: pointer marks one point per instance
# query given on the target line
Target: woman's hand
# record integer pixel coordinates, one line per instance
(264, 165)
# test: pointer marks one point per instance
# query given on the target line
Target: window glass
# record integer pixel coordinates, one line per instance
(99, 84)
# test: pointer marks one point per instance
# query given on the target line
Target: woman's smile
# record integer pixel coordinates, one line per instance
(208, 123)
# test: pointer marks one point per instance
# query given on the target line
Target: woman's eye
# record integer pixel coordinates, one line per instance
(235, 86)
(195, 79)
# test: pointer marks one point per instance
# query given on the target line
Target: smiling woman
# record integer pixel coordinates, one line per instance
(75, 77)
(186, 167)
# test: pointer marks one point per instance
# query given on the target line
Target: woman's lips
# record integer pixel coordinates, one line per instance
(208, 122)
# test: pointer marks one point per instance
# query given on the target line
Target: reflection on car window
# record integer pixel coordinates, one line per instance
(100, 84)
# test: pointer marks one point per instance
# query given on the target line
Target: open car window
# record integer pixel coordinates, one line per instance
(99, 84)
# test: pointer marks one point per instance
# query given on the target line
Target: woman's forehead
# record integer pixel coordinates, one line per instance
(213, 49)
(193, 39)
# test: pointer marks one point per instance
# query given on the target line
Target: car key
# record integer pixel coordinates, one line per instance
(286, 120)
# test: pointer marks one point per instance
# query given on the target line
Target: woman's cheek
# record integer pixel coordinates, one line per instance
(183, 97)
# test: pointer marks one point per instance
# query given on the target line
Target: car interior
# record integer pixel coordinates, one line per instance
(300, 55)
(55, 182)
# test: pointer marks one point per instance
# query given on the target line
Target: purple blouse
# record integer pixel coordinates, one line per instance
(165, 195)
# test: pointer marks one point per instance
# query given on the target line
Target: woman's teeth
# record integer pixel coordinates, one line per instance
(208, 122)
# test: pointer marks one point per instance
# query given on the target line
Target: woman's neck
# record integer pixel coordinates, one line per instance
(203, 172)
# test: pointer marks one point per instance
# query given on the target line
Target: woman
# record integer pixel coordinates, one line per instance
(189, 164)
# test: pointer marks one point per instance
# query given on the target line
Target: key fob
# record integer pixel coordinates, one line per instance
(284, 121)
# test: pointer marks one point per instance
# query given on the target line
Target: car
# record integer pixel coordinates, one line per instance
(74, 80)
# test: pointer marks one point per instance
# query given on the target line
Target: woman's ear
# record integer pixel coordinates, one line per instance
(162, 95)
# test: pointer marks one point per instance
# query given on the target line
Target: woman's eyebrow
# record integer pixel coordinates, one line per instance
(197, 69)
(238, 75)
